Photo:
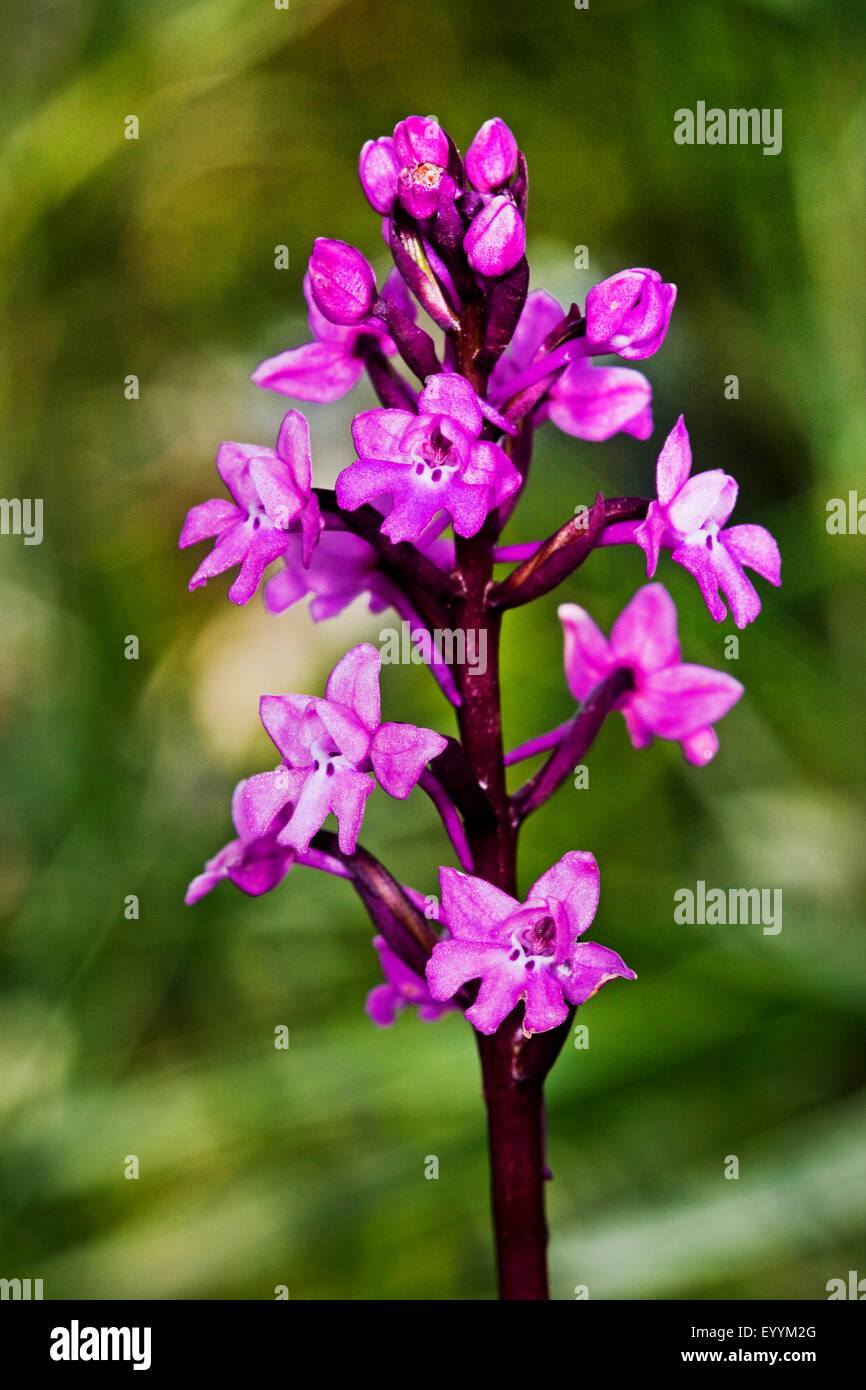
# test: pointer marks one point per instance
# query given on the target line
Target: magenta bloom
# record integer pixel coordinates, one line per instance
(496, 237)
(328, 748)
(378, 170)
(670, 699)
(327, 368)
(254, 863)
(271, 490)
(689, 516)
(523, 951)
(629, 313)
(401, 990)
(492, 157)
(428, 463)
(342, 281)
(587, 402)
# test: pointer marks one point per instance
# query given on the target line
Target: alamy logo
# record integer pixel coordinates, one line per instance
(847, 518)
(76, 1343)
(22, 516)
(736, 126)
(23, 1289)
(715, 907)
(449, 646)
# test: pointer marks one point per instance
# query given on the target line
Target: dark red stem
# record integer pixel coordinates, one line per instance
(513, 1079)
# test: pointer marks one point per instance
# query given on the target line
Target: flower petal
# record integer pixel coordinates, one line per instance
(354, 682)
(574, 882)
(591, 967)
(259, 871)
(229, 550)
(347, 731)
(587, 655)
(321, 372)
(447, 393)
(697, 500)
(490, 466)
(683, 699)
(596, 402)
(345, 794)
(453, 963)
(232, 463)
(645, 633)
(700, 747)
(499, 993)
(755, 547)
(293, 447)
(474, 909)
(265, 546)
(541, 314)
(545, 1005)
(265, 795)
(649, 535)
(378, 434)
(208, 519)
(383, 1004)
(674, 463)
(714, 567)
(348, 799)
(287, 719)
(399, 754)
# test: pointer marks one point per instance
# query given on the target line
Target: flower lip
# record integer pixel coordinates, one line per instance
(325, 755)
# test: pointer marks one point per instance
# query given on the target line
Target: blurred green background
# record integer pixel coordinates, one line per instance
(154, 1037)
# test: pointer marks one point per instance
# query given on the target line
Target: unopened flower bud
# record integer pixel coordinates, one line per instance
(342, 281)
(496, 238)
(420, 140)
(378, 168)
(629, 313)
(492, 157)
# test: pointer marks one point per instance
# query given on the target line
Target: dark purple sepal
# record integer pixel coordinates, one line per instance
(520, 186)
(520, 405)
(449, 229)
(469, 204)
(505, 302)
(564, 552)
(572, 326)
(414, 345)
(455, 164)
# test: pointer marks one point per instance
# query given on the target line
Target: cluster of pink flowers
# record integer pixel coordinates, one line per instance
(449, 445)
